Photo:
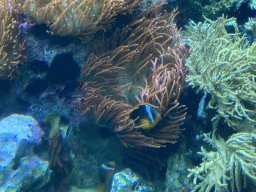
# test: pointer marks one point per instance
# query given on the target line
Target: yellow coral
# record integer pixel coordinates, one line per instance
(223, 65)
(233, 164)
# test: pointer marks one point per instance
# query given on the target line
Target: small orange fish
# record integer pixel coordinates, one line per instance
(146, 116)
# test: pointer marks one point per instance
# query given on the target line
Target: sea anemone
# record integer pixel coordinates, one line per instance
(139, 113)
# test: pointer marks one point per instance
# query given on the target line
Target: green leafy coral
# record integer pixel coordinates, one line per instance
(230, 168)
(223, 65)
(215, 6)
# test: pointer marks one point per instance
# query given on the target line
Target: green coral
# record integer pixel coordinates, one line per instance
(215, 6)
(230, 166)
(223, 65)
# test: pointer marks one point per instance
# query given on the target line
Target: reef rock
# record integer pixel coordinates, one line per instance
(20, 168)
(126, 180)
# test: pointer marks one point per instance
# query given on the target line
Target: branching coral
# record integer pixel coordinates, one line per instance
(11, 47)
(216, 6)
(223, 65)
(74, 17)
(253, 4)
(243, 157)
(216, 164)
(232, 166)
(150, 50)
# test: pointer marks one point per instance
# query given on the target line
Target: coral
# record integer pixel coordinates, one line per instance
(59, 162)
(222, 64)
(252, 4)
(251, 26)
(217, 6)
(243, 156)
(215, 164)
(11, 46)
(150, 50)
(57, 124)
(232, 166)
(58, 154)
(68, 17)
(176, 175)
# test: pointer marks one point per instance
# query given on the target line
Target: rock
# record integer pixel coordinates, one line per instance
(20, 168)
(21, 127)
(127, 181)
(29, 171)
(176, 175)
(17, 132)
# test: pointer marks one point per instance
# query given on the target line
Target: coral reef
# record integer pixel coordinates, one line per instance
(230, 168)
(251, 26)
(222, 65)
(108, 81)
(217, 6)
(222, 68)
(253, 4)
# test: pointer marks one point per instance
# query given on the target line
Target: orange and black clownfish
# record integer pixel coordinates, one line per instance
(146, 116)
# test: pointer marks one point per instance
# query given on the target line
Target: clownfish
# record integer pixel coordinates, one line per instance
(146, 116)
